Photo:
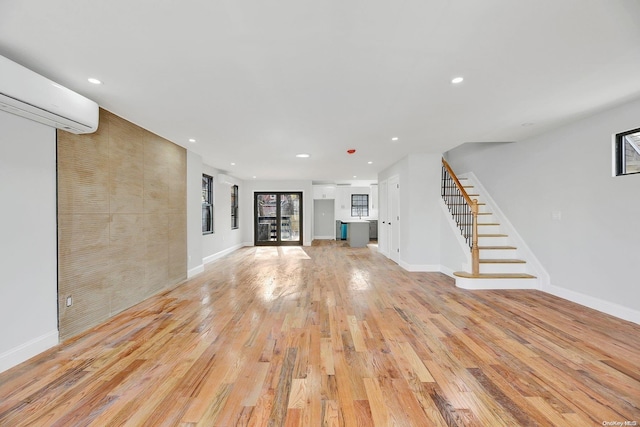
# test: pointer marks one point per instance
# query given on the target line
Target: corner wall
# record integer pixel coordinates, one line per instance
(121, 220)
(28, 316)
(420, 212)
(581, 223)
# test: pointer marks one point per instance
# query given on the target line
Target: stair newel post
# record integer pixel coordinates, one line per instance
(475, 251)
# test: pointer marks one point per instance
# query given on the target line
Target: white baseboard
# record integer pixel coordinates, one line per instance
(195, 271)
(218, 255)
(607, 307)
(324, 237)
(27, 350)
(419, 267)
(447, 271)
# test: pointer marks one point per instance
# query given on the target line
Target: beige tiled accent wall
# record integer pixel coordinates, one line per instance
(122, 232)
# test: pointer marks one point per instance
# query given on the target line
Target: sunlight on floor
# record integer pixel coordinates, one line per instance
(295, 252)
(292, 252)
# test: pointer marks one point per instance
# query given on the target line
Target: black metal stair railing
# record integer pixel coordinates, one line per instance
(458, 206)
(464, 212)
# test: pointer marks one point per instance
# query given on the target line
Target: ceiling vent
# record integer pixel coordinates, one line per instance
(30, 95)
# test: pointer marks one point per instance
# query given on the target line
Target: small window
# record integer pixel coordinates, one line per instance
(628, 152)
(207, 204)
(360, 205)
(234, 207)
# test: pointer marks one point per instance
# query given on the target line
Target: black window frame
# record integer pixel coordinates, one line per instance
(207, 204)
(234, 208)
(359, 205)
(620, 153)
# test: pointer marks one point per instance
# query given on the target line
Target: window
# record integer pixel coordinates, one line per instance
(627, 152)
(360, 205)
(234, 207)
(207, 204)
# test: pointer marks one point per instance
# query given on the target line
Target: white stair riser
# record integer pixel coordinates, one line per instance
(493, 241)
(498, 253)
(466, 283)
(503, 268)
(488, 229)
(483, 208)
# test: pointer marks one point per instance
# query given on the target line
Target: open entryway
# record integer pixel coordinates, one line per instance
(277, 218)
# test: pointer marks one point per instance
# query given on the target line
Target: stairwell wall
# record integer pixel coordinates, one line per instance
(558, 191)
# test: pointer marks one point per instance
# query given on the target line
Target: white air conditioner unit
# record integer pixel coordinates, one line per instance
(30, 95)
(225, 179)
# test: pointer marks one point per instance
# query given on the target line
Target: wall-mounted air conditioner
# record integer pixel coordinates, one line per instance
(225, 179)
(30, 95)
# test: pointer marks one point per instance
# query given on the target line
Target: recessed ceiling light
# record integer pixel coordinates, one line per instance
(94, 81)
(233, 164)
(457, 80)
(302, 155)
(370, 163)
(192, 140)
(254, 177)
(395, 138)
(354, 176)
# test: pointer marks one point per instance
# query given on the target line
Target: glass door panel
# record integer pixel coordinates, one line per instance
(290, 217)
(267, 219)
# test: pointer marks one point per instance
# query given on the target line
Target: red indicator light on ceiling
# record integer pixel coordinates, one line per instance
(351, 151)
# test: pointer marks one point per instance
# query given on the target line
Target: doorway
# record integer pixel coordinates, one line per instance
(277, 218)
(324, 224)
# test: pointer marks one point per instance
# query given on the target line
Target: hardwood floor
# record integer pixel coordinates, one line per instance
(334, 336)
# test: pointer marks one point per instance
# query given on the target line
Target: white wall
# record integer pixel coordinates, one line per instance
(28, 240)
(223, 240)
(246, 205)
(420, 213)
(591, 252)
(195, 264)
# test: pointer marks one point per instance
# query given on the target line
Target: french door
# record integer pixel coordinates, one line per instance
(277, 218)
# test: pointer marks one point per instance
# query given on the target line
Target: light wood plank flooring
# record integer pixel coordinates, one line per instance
(334, 336)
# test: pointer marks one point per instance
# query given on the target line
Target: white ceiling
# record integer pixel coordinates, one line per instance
(256, 82)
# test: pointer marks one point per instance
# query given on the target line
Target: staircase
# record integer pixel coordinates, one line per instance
(499, 263)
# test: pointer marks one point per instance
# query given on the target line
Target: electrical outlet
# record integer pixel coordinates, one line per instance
(69, 301)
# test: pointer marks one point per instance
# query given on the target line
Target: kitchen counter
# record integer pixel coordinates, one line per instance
(357, 233)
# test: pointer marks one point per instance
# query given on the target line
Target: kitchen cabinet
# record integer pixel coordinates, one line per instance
(324, 192)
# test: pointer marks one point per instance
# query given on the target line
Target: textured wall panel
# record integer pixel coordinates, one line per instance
(121, 220)
(83, 172)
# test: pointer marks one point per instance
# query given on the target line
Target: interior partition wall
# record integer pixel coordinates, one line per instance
(278, 218)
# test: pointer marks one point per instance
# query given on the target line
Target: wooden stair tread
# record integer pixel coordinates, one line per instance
(497, 247)
(493, 275)
(502, 261)
(486, 235)
(479, 213)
